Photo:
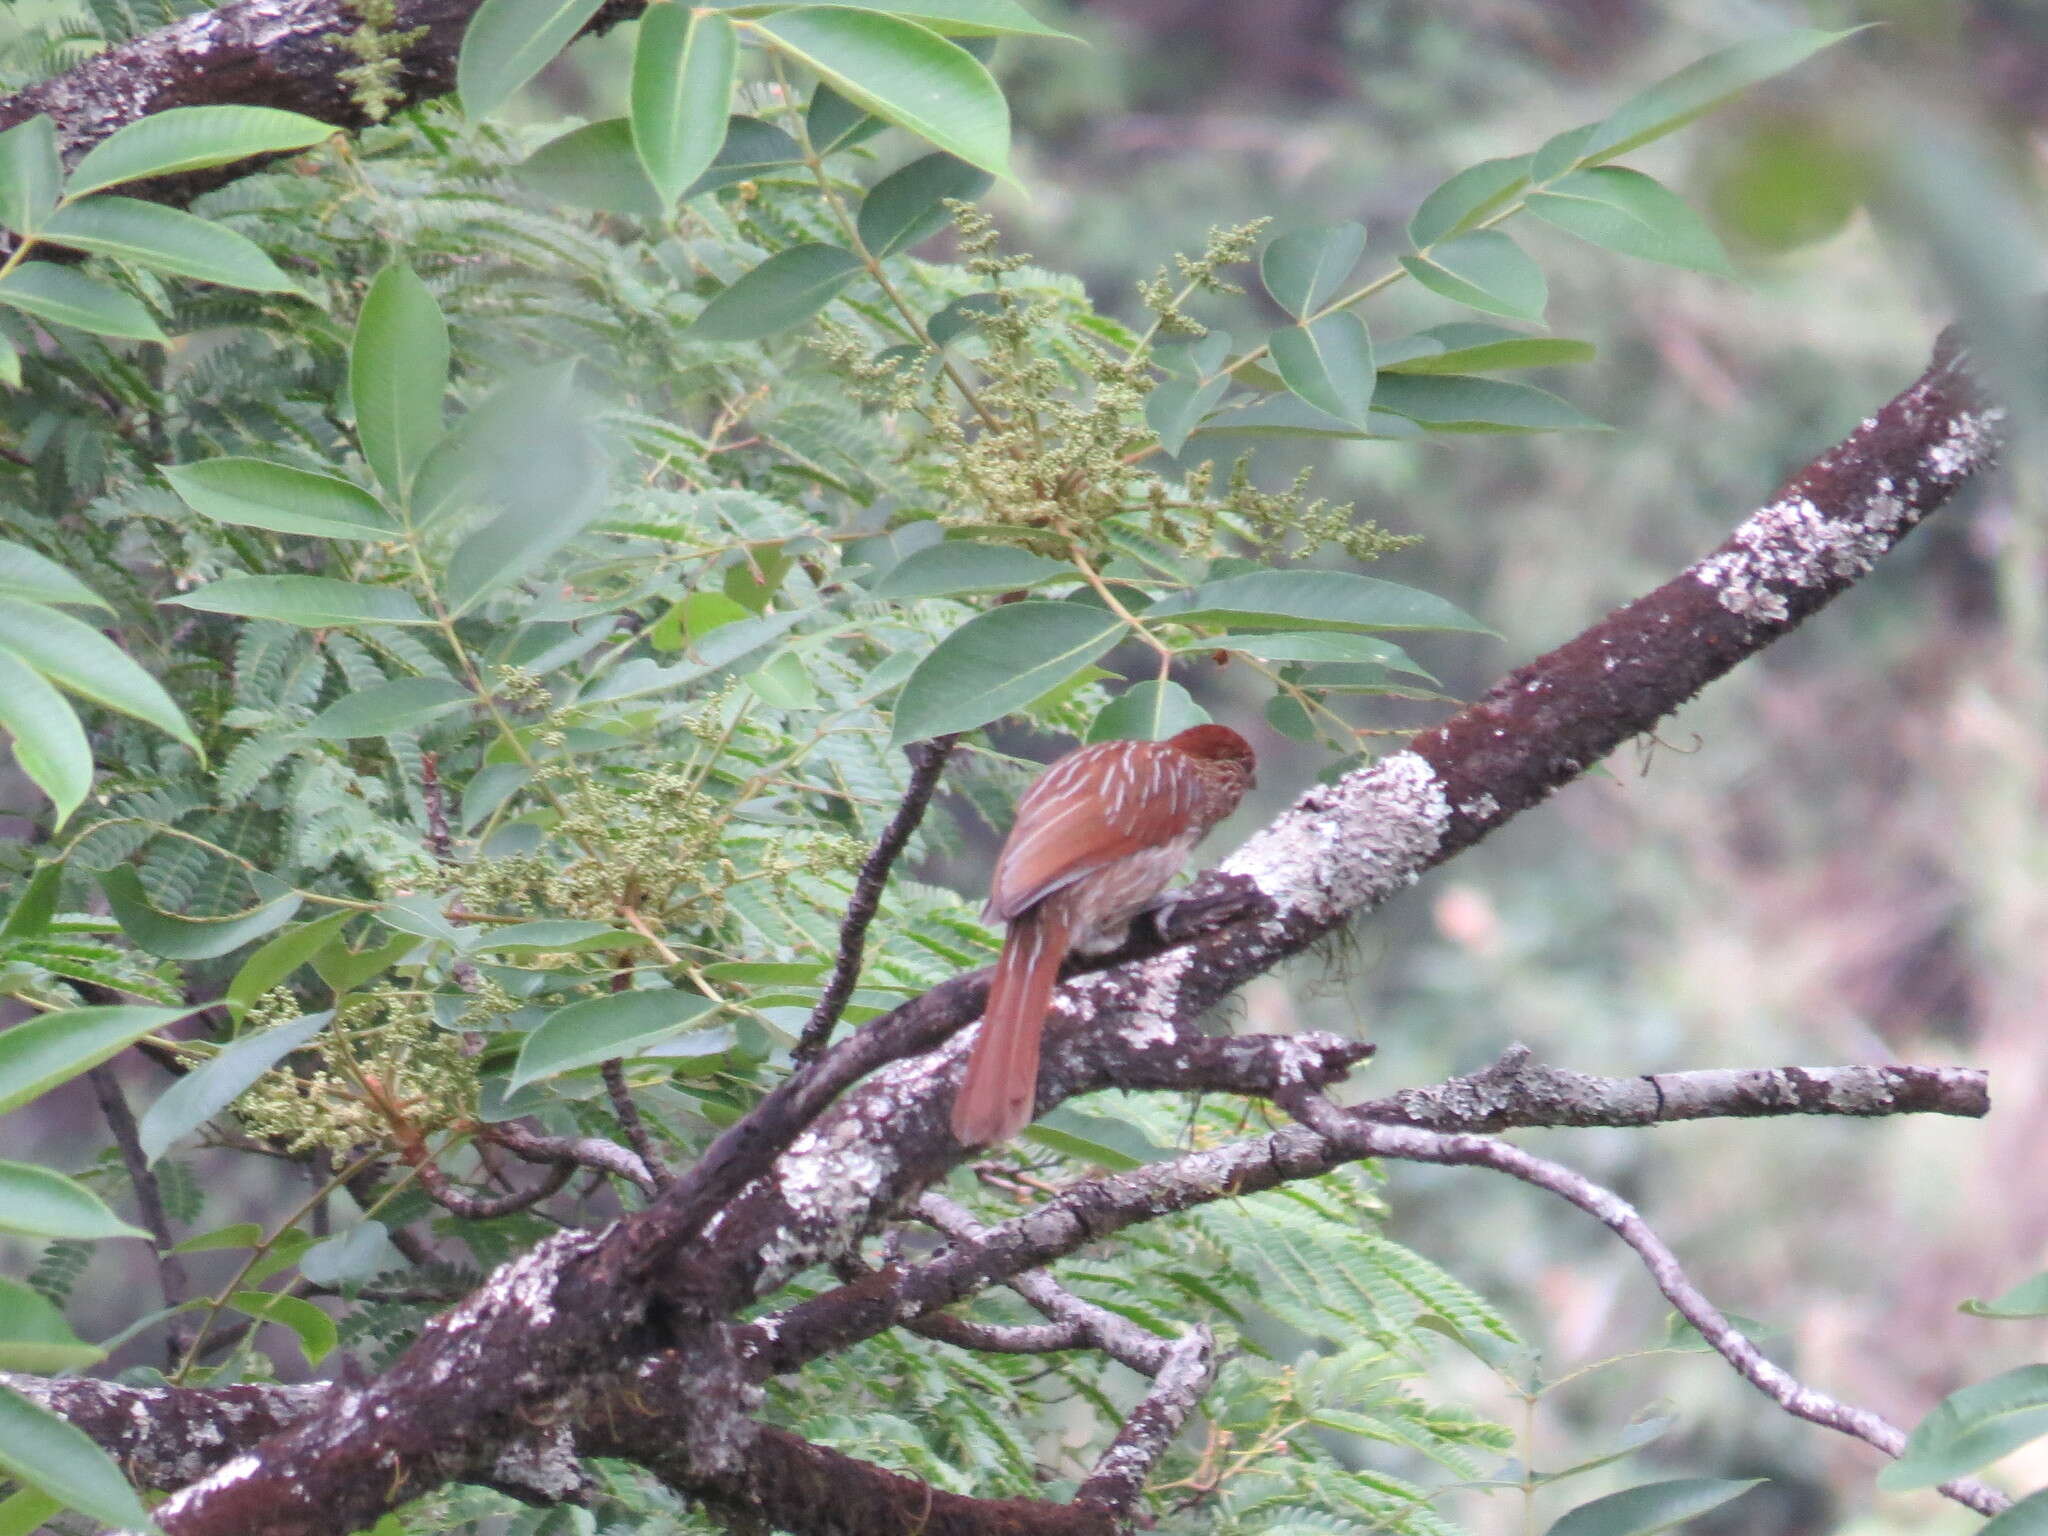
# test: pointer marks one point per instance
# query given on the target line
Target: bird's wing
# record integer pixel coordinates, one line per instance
(1089, 809)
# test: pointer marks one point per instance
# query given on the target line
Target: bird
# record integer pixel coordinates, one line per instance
(1098, 835)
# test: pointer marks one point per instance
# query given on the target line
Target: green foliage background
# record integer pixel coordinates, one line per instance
(677, 716)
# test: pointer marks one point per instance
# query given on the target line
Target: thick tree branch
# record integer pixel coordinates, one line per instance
(803, 1177)
(646, 1418)
(1510, 1094)
(1516, 1091)
(291, 54)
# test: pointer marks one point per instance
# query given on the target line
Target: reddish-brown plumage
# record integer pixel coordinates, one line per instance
(1097, 836)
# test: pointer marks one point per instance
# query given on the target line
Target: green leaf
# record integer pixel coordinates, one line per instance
(1651, 1507)
(832, 123)
(181, 139)
(382, 708)
(30, 174)
(976, 18)
(30, 915)
(962, 315)
(1303, 270)
(1175, 408)
(64, 297)
(1485, 270)
(1458, 403)
(1968, 1429)
(997, 662)
(508, 43)
(27, 1511)
(44, 1452)
(35, 578)
(1306, 599)
(955, 566)
(35, 1337)
(565, 934)
(397, 371)
(1291, 416)
(601, 1028)
(187, 938)
(1315, 645)
(1147, 711)
(787, 288)
(595, 166)
(1475, 347)
(10, 375)
(275, 961)
(358, 1253)
(77, 657)
(1700, 87)
(316, 1332)
(1629, 212)
(212, 1086)
(1328, 364)
(1558, 154)
(903, 73)
(313, 602)
(2029, 1517)
(684, 64)
(1646, 1428)
(2027, 1299)
(39, 1202)
(49, 743)
(168, 240)
(757, 973)
(752, 148)
(1466, 198)
(907, 205)
(539, 469)
(254, 493)
(345, 969)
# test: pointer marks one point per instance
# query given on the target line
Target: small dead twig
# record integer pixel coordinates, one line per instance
(927, 762)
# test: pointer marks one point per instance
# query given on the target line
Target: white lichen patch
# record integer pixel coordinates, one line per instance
(1970, 442)
(830, 1180)
(1155, 1007)
(1792, 544)
(1351, 844)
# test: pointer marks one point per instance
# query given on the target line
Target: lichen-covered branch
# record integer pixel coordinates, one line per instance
(1353, 1136)
(813, 1168)
(1517, 1091)
(1087, 1212)
(293, 54)
(171, 1438)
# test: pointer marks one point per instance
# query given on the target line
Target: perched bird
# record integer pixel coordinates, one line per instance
(1098, 835)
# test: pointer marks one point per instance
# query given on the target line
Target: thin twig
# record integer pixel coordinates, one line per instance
(483, 1207)
(630, 1122)
(1116, 1336)
(592, 1152)
(623, 1107)
(149, 1195)
(440, 841)
(927, 762)
(1359, 1138)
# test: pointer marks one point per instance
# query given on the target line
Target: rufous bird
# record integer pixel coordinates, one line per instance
(1098, 835)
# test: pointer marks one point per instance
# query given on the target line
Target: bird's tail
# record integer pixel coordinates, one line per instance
(1001, 1087)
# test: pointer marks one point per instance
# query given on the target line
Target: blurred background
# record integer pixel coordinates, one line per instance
(1840, 853)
